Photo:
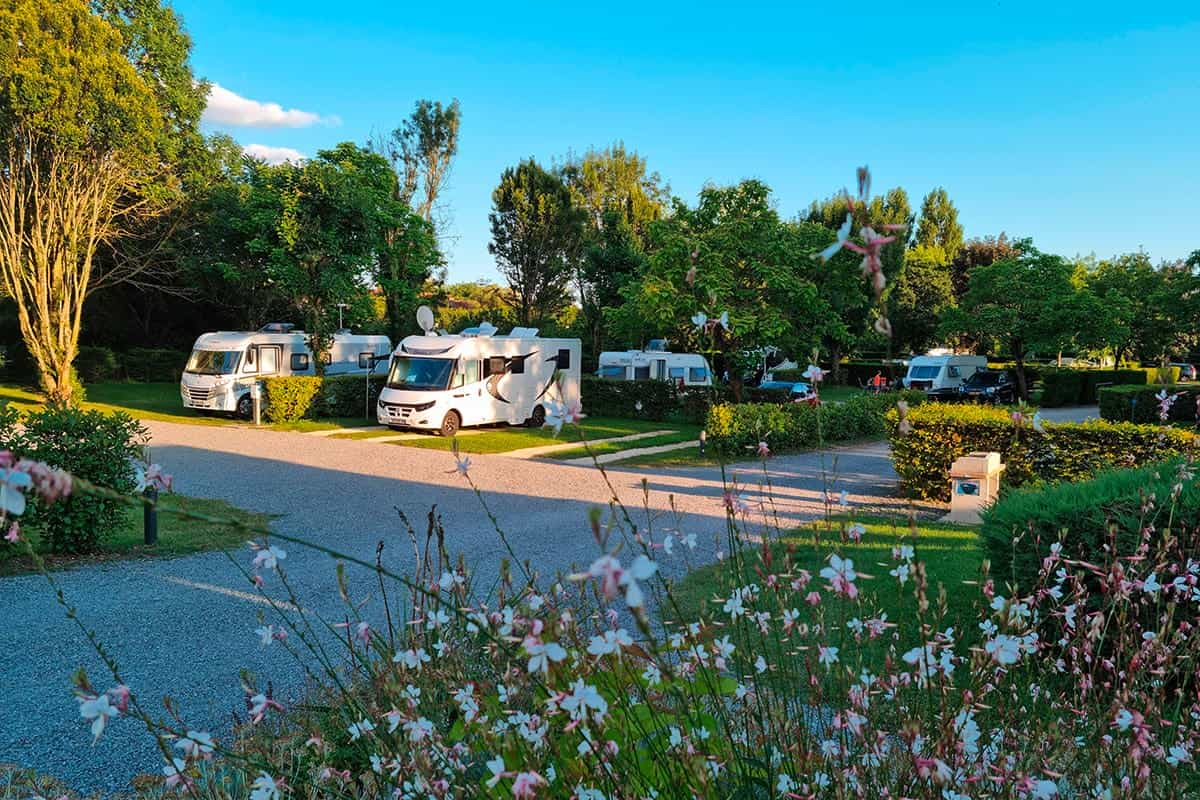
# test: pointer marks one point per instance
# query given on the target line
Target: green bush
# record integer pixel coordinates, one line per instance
(292, 398)
(1019, 529)
(96, 364)
(734, 429)
(154, 364)
(1066, 387)
(89, 444)
(853, 373)
(940, 433)
(1140, 403)
(652, 400)
(349, 395)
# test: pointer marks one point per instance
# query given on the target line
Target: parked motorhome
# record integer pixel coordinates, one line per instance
(655, 363)
(942, 374)
(443, 382)
(225, 365)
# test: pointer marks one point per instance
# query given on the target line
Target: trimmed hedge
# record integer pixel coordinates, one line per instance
(1065, 387)
(154, 364)
(734, 429)
(1140, 403)
(292, 398)
(347, 395)
(652, 400)
(1019, 529)
(96, 364)
(854, 373)
(940, 433)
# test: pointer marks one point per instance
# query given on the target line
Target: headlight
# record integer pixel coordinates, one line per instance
(990, 390)
(424, 406)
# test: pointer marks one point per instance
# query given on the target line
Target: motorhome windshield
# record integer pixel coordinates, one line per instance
(420, 374)
(925, 372)
(213, 362)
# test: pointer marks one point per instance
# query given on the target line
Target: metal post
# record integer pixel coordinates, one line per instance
(256, 393)
(150, 516)
(703, 441)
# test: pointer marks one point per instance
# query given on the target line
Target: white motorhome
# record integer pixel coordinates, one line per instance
(655, 363)
(443, 382)
(941, 374)
(224, 366)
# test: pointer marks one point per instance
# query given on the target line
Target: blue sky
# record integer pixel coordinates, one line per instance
(1077, 124)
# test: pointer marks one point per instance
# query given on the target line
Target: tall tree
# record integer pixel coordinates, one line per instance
(919, 298)
(89, 136)
(749, 265)
(536, 239)
(890, 208)
(1151, 311)
(840, 284)
(422, 150)
(938, 225)
(1024, 305)
(980, 252)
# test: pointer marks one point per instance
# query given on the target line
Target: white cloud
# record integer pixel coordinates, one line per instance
(273, 155)
(229, 108)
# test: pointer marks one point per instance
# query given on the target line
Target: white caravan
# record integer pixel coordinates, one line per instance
(225, 365)
(655, 363)
(942, 374)
(441, 383)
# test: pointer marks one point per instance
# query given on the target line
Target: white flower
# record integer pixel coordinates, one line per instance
(13, 483)
(700, 320)
(1044, 789)
(760, 664)
(264, 788)
(813, 374)
(360, 728)
(99, 711)
(827, 655)
(196, 744)
(412, 659)
(1005, 649)
(652, 675)
(449, 580)
(610, 642)
(418, 729)
(734, 606)
(584, 696)
(843, 233)
(269, 557)
(496, 766)
(724, 320)
(1123, 719)
(266, 634)
(900, 573)
(541, 654)
(1151, 584)
(1179, 754)
(785, 784)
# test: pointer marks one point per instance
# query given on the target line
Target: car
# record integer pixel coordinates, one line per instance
(795, 389)
(1187, 372)
(988, 386)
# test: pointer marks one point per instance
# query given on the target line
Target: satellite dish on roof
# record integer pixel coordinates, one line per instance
(425, 319)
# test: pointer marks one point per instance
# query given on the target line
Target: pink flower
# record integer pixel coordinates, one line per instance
(840, 574)
(814, 374)
(763, 450)
(14, 534)
(525, 784)
(613, 577)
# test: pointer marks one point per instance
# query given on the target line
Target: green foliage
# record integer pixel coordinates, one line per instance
(1139, 403)
(920, 296)
(737, 429)
(616, 180)
(1066, 387)
(654, 400)
(939, 227)
(537, 234)
(291, 399)
(1086, 517)
(940, 433)
(350, 395)
(153, 364)
(747, 262)
(421, 151)
(96, 364)
(1150, 311)
(89, 444)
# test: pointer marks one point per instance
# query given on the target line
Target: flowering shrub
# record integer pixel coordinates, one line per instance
(1032, 450)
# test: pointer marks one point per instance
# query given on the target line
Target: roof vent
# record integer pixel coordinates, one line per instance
(277, 327)
(523, 333)
(657, 346)
(482, 329)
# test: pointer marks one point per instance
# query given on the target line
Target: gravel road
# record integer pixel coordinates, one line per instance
(184, 626)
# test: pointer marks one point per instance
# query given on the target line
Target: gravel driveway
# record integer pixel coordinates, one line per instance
(185, 626)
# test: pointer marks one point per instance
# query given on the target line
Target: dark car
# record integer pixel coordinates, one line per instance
(1187, 372)
(794, 389)
(988, 386)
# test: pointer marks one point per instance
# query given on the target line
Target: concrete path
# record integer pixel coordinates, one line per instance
(546, 449)
(625, 455)
(185, 626)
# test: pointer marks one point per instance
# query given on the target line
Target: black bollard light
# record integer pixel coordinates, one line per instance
(150, 516)
(703, 441)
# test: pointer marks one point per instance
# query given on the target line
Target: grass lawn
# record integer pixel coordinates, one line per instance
(687, 433)
(177, 536)
(504, 439)
(951, 554)
(161, 402)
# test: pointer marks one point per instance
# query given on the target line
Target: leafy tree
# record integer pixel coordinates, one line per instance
(981, 252)
(840, 284)
(1151, 311)
(612, 261)
(890, 208)
(919, 298)
(536, 239)
(422, 151)
(87, 133)
(938, 225)
(748, 264)
(1025, 305)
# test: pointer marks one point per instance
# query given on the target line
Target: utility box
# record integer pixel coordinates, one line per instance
(974, 484)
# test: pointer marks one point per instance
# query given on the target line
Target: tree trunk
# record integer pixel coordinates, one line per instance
(835, 353)
(1019, 368)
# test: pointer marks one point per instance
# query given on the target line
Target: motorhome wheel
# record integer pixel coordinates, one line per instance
(537, 419)
(450, 423)
(245, 406)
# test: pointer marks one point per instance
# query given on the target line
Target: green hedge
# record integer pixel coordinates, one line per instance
(1140, 403)
(1019, 529)
(349, 395)
(89, 444)
(1065, 387)
(854, 373)
(96, 364)
(292, 398)
(940, 433)
(154, 364)
(652, 400)
(734, 429)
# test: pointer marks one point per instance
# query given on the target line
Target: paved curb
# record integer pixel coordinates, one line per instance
(541, 450)
(609, 458)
